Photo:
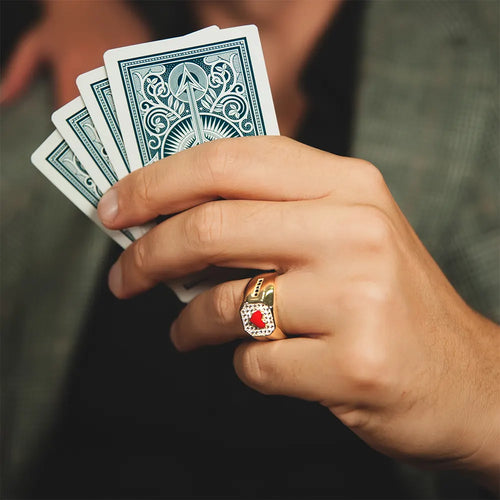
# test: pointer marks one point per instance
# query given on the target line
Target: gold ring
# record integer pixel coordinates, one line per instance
(258, 310)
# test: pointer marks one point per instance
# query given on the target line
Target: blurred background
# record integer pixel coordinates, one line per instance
(95, 401)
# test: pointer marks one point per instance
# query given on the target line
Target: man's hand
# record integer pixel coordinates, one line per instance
(71, 38)
(379, 336)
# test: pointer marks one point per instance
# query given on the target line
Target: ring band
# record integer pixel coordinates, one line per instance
(258, 310)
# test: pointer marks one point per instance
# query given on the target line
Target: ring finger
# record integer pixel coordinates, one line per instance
(298, 367)
(213, 317)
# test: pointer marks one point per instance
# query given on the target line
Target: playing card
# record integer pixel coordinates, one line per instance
(56, 161)
(173, 94)
(96, 93)
(188, 287)
(153, 100)
(59, 164)
(76, 127)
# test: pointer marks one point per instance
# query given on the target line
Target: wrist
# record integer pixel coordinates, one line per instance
(484, 465)
(484, 462)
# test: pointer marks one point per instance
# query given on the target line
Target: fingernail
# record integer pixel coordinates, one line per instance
(115, 278)
(108, 206)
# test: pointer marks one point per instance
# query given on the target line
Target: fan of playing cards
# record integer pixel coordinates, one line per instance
(150, 101)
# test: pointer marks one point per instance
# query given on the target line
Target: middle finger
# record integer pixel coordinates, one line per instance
(248, 234)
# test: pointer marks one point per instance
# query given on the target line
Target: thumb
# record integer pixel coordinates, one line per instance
(21, 67)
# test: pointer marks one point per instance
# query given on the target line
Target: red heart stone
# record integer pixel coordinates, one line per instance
(256, 319)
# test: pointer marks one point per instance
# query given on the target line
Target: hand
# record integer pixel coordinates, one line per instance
(380, 337)
(71, 38)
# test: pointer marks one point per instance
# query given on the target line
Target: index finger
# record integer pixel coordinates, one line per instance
(269, 168)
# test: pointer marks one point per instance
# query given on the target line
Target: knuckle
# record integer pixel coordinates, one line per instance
(224, 303)
(367, 292)
(204, 226)
(139, 256)
(367, 368)
(372, 182)
(219, 156)
(250, 368)
(378, 229)
(355, 418)
(376, 295)
(285, 145)
(145, 183)
(366, 228)
(372, 174)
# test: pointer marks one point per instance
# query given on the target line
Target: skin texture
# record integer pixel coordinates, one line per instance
(70, 38)
(379, 336)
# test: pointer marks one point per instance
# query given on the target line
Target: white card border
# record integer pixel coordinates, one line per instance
(84, 83)
(113, 57)
(59, 119)
(39, 160)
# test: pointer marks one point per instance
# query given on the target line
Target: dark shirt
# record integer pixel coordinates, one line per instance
(143, 421)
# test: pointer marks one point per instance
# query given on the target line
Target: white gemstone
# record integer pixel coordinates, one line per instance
(267, 317)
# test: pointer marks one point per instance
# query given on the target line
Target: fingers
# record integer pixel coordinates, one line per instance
(294, 367)
(254, 168)
(210, 318)
(340, 371)
(213, 317)
(244, 234)
(21, 67)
